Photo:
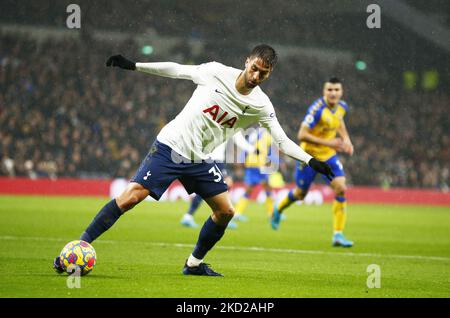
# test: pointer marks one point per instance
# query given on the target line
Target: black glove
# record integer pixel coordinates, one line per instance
(122, 62)
(322, 168)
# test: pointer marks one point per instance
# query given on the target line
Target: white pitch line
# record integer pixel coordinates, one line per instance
(242, 248)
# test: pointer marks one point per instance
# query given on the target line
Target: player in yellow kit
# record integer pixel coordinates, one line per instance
(255, 164)
(323, 134)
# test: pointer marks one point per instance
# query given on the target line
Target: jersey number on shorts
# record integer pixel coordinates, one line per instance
(217, 173)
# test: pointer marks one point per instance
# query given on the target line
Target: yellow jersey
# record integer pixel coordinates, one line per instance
(261, 140)
(323, 122)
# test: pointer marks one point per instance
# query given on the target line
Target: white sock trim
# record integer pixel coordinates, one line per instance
(192, 261)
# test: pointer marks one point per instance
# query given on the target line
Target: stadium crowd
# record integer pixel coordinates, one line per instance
(63, 113)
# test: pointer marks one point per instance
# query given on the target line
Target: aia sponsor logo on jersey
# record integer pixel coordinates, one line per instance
(220, 116)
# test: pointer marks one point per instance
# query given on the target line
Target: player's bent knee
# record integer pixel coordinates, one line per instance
(127, 203)
(132, 195)
(340, 190)
(299, 194)
(226, 214)
(133, 200)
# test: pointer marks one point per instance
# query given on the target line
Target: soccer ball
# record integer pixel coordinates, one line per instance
(78, 256)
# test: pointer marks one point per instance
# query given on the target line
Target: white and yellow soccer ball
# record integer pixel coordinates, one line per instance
(78, 256)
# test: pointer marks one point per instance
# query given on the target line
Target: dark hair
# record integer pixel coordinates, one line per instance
(334, 80)
(266, 53)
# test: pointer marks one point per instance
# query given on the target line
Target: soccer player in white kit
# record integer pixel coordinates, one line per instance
(226, 98)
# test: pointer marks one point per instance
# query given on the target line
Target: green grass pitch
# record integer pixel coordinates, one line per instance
(143, 254)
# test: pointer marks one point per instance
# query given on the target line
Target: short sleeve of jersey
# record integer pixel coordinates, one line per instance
(205, 72)
(344, 106)
(313, 115)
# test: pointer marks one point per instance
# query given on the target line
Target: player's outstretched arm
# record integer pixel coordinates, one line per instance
(165, 69)
(291, 149)
(122, 62)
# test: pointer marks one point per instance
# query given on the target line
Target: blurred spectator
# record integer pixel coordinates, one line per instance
(63, 113)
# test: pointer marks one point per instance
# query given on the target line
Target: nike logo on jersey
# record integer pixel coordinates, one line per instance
(214, 111)
(219, 92)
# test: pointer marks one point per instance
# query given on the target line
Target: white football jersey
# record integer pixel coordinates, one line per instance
(215, 109)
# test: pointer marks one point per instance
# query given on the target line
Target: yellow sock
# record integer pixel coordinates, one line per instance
(269, 205)
(241, 205)
(286, 201)
(339, 214)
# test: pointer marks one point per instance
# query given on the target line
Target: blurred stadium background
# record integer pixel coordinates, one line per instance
(64, 116)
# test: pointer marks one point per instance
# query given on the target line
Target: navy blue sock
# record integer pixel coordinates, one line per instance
(195, 203)
(209, 235)
(107, 216)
